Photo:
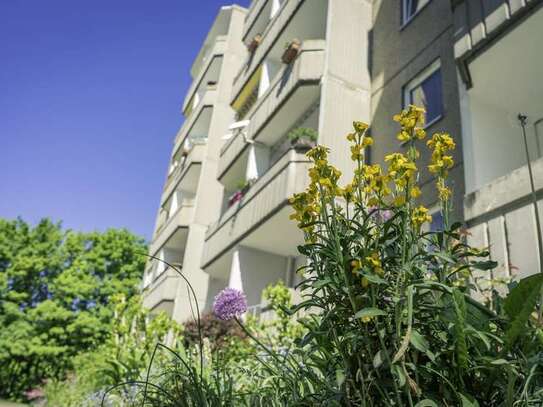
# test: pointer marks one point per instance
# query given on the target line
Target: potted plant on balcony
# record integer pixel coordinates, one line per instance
(255, 42)
(291, 51)
(243, 188)
(302, 138)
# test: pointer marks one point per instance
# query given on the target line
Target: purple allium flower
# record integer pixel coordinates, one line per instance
(229, 303)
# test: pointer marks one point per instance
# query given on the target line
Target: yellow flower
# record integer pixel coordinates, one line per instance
(420, 215)
(414, 192)
(367, 141)
(420, 133)
(403, 136)
(351, 137)
(355, 265)
(360, 127)
(374, 262)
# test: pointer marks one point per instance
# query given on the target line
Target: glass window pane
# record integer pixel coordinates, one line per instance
(437, 222)
(429, 95)
(411, 7)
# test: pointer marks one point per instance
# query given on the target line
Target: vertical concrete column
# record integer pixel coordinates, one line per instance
(235, 280)
(346, 85)
(209, 192)
(254, 270)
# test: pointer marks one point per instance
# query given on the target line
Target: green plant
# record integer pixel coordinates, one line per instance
(122, 358)
(302, 133)
(55, 291)
(396, 324)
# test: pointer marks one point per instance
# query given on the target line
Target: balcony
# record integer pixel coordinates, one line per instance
(209, 72)
(500, 216)
(159, 294)
(219, 30)
(186, 176)
(478, 22)
(172, 231)
(196, 126)
(492, 141)
(300, 19)
(259, 220)
(291, 93)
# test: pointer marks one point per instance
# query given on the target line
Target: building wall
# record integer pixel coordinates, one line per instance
(209, 195)
(398, 54)
(358, 73)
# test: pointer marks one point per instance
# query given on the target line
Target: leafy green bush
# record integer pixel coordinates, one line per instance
(122, 358)
(55, 289)
(397, 323)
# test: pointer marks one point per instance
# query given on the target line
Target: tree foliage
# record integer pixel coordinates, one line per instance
(55, 291)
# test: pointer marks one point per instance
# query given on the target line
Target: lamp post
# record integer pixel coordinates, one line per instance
(523, 120)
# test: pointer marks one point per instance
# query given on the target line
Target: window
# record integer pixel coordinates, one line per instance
(410, 8)
(437, 221)
(426, 90)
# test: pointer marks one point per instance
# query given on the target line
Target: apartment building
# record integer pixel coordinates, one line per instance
(320, 64)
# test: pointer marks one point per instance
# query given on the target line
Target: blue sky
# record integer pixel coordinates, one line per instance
(90, 98)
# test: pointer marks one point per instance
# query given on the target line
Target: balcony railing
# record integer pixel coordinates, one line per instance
(268, 195)
(208, 100)
(476, 22)
(180, 219)
(269, 37)
(307, 69)
(218, 49)
(255, 10)
(193, 158)
(500, 216)
(162, 288)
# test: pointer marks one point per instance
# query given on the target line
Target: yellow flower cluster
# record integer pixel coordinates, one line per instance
(441, 163)
(373, 262)
(323, 174)
(306, 210)
(420, 215)
(402, 171)
(376, 184)
(412, 122)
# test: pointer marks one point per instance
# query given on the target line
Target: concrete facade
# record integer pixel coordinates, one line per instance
(224, 211)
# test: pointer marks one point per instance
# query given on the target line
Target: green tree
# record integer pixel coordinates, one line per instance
(55, 290)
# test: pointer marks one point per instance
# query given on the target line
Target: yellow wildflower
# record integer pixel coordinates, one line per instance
(360, 127)
(420, 215)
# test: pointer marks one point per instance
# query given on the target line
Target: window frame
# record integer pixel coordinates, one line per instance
(416, 81)
(403, 13)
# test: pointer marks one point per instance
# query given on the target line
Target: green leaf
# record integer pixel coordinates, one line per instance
(520, 304)
(460, 328)
(485, 265)
(419, 342)
(378, 360)
(468, 401)
(372, 278)
(426, 403)
(513, 303)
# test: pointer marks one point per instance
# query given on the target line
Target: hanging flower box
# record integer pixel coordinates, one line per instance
(255, 42)
(291, 51)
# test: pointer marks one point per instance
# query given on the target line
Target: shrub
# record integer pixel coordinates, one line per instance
(390, 317)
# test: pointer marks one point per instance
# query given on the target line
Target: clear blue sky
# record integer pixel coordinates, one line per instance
(90, 98)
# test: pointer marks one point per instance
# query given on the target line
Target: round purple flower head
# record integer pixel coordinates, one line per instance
(229, 303)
